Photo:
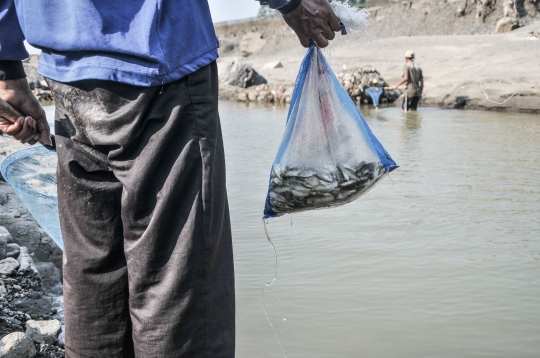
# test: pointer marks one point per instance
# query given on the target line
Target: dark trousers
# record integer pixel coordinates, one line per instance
(148, 266)
(410, 103)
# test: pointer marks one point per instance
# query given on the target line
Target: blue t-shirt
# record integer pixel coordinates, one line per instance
(138, 42)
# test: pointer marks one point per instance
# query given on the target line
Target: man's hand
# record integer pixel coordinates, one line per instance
(27, 129)
(313, 20)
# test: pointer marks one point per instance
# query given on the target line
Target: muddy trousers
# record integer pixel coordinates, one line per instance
(148, 266)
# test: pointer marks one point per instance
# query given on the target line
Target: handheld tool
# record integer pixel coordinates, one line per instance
(11, 114)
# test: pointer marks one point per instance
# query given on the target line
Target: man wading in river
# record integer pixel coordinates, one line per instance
(412, 76)
(148, 269)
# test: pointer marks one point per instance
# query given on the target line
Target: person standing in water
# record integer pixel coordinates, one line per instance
(412, 76)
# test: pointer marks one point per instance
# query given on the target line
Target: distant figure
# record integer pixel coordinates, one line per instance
(412, 75)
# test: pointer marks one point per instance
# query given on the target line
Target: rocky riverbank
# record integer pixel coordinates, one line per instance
(31, 314)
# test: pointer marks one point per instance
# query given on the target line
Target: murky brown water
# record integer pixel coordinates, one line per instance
(442, 262)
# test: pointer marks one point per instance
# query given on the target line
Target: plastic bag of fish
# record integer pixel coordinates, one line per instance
(328, 155)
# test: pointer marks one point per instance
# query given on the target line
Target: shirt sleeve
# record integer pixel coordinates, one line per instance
(11, 36)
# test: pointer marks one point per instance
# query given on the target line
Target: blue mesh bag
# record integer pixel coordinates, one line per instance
(32, 174)
(328, 155)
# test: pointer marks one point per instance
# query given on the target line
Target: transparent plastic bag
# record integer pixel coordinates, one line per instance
(328, 156)
(32, 174)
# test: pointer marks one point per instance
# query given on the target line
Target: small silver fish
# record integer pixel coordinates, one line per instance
(324, 187)
(345, 194)
(291, 173)
(349, 184)
(306, 173)
(280, 205)
(299, 194)
(281, 189)
(320, 201)
(276, 197)
(300, 187)
(311, 182)
(325, 177)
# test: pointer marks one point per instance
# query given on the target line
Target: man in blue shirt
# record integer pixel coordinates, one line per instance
(147, 268)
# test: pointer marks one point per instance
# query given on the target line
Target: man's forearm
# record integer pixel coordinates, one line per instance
(403, 80)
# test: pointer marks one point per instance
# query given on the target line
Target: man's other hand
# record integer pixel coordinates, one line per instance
(33, 126)
(313, 20)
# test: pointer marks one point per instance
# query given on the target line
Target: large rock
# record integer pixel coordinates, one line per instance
(39, 304)
(13, 250)
(506, 24)
(5, 238)
(25, 261)
(239, 74)
(43, 332)
(272, 65)
(17, 345)
(50, 276)
(3, 197)
(251, 43)
(8, 266)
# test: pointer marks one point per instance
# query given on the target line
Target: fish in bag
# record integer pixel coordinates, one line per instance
(328, 155)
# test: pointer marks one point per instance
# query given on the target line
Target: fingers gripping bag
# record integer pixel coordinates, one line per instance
(328, 155)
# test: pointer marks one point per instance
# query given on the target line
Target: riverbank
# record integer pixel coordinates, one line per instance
(30, 278)
(465, 66)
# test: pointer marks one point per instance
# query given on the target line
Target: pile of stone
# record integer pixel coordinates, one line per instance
(30, 313)
(265, 94)
(27, 324)
(239, 74)
(355, 83)
(40, 340)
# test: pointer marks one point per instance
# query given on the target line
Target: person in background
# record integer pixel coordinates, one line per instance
(148, 264)
(412, 76)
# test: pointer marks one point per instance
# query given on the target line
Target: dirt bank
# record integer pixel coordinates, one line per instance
(465, 65)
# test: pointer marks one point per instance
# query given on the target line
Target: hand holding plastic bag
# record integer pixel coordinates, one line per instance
(328, 156)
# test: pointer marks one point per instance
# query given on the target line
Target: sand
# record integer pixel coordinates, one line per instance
(481, 70)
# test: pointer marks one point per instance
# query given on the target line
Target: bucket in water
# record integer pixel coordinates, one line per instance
(375, 94)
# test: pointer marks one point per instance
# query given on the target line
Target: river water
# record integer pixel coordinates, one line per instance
(442, 259)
